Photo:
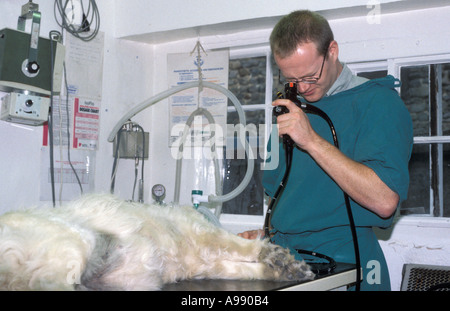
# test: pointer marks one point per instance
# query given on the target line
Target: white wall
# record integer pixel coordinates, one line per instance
(162, 21)
(163, 16)
(127, 80)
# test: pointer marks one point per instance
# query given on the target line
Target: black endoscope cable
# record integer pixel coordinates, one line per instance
(291, 94)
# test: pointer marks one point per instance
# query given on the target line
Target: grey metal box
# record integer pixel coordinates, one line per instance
(14, 48)
(130, 145)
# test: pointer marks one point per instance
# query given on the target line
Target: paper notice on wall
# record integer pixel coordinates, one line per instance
(86, 123)
(183, 68)
(61, 112)
(84, 65)
(79, 116)
(71, 175)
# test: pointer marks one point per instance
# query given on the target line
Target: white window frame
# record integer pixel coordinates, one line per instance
(393, 66)
(239, 222)
(438, 139)
(368, 66)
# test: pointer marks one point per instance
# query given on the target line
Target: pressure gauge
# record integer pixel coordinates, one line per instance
(159, 192)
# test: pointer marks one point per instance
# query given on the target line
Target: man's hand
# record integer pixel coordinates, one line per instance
(252, 234)
(295, 124)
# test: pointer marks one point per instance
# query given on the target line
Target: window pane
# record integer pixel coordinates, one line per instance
(426, 93)
(415, 94)
(373, 74)
(418, 201)
(250, 201)
(247, 80)
(446, 180)
(446, 99)
(277, 85)
(446, 132)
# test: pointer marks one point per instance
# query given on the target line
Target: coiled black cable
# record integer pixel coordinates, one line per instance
(90, 24)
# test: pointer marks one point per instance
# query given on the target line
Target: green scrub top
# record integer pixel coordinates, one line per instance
(374, 128)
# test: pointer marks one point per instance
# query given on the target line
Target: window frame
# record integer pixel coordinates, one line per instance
(397, 65)
(393, 67)
(237, 221)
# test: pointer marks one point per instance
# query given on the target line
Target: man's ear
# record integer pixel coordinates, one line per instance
(333, 50)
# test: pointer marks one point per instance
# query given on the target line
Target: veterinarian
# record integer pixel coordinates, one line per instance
(375, 136)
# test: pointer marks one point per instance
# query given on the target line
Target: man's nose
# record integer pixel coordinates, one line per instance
(302, 87)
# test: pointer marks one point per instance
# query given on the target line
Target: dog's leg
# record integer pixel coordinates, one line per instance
(271, 262)
(233, 257)
(281, 264)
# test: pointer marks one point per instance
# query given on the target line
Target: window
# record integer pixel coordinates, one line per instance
(370, 70)
(426, 92)
(247, 80)
(373, 74)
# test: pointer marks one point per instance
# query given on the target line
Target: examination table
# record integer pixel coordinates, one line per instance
(344, 274)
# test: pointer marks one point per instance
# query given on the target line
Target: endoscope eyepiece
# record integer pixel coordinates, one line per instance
(290, 89)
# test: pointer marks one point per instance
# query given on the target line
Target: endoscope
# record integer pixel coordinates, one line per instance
(291, 94)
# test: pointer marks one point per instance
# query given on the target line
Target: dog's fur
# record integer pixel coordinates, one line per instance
(100, 242)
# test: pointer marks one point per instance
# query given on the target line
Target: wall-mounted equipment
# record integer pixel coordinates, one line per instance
(24, 108)
(132, 144)
(29, 65)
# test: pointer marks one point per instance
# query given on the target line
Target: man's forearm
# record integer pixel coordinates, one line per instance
(359, 181)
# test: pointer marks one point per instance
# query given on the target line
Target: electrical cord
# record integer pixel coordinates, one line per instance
(314, 110)
(319, 268)
(52, 35)
(68, 129)
(143, 147)
(50, 123)
(91, 19)
(116, 159)
(137, 162)
(288, 156)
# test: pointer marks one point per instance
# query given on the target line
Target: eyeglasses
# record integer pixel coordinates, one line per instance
(306, 80)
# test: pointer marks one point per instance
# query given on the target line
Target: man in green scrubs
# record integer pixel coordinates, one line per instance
(374, 130)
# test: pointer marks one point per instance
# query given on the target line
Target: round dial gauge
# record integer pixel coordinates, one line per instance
(158, 191)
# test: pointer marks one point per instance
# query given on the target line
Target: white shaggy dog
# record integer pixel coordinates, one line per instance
(100, 242)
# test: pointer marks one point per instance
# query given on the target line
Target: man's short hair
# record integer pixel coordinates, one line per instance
(297, 28)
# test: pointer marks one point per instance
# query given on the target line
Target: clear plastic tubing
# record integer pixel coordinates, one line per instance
(189, 85)
(218, 182)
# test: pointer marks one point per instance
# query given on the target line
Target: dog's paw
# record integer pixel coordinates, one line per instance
(282, 266)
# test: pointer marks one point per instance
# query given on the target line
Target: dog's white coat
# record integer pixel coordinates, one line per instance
(100, 242)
